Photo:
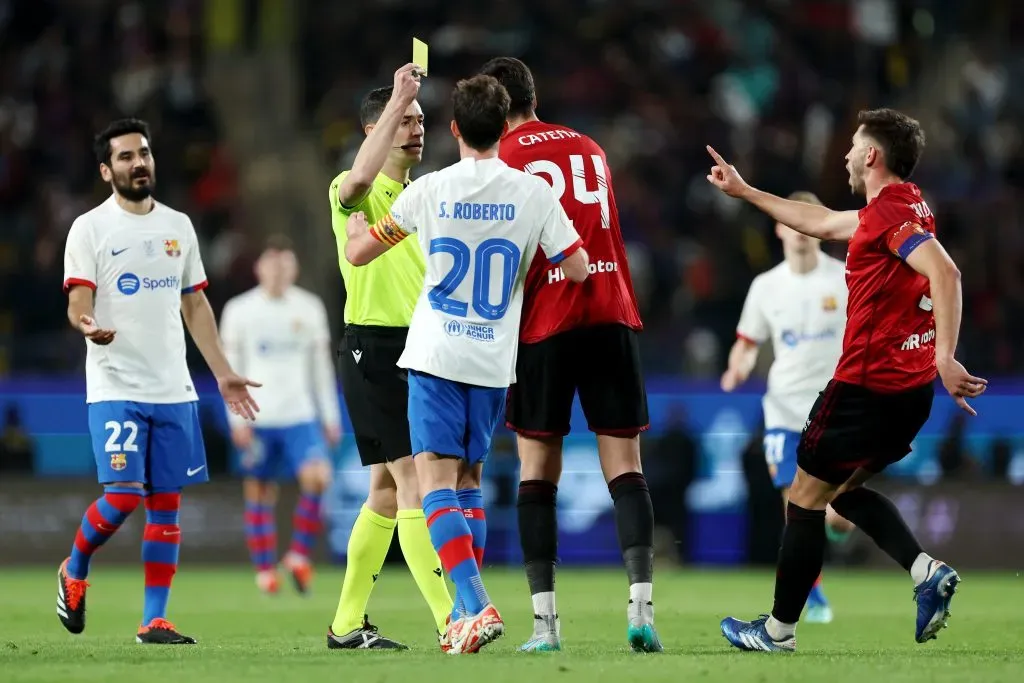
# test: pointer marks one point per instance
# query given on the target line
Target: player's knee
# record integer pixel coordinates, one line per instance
(383, 495)
(259, 491)
(408, 498)
(434, 472)
(810, 492)
(315, 477)
(403, 471)
(540, 459)
(384, 502)
(252, 490)
(127, 485)
(471, 477)
(618, 455)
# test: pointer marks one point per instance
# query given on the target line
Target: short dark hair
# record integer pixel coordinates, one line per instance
(101, 143)
(480, 105)
(278, 242)
(373, 105)
(899, 136)
(518, 81)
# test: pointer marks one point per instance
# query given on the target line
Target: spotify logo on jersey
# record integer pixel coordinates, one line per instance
(128, 284)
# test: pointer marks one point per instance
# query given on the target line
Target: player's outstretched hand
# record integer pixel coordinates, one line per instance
(961, 384)
(93, 332)
(725, 177)
(407, 84)
(235, 390)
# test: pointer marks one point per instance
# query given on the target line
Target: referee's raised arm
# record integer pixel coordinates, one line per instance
(380, 135)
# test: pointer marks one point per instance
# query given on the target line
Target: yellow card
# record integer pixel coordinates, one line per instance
(419, 55)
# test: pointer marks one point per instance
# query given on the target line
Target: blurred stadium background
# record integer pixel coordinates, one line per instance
(254, 105)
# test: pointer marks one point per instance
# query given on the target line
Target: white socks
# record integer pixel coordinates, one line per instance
(779, 631)
(919, 570)
(640, 593)
(544, 604)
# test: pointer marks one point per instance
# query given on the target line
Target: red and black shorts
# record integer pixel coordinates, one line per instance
(850, 427)
(602, 363)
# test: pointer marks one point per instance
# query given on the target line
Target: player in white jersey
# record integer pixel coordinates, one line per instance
(800, 305)
(132, 272)
(480, 224)
(279, 332)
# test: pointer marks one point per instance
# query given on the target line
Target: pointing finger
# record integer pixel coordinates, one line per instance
(717, 157)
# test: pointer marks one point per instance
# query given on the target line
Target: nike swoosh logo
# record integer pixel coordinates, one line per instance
(193, 472)
(115, 252)
(171, 533)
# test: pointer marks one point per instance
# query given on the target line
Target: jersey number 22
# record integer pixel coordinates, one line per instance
(508, 255)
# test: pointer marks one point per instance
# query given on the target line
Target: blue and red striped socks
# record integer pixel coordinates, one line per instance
(160, 543)
(305, 524)
(453, 541)
(261, 535)
(472, 503)
(103, 518)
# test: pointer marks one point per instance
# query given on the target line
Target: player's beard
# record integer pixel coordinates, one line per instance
(124, 185)
(857, 178)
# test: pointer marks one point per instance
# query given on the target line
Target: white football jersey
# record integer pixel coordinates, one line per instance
(479, 223)
(805, 316)
(285, 343)
(139, 266)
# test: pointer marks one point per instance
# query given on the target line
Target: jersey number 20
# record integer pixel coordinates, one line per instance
(599, 195)
(440, 296)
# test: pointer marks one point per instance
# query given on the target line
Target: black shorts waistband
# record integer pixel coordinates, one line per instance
(379, 331)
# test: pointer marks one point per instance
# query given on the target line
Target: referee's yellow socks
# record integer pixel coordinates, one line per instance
(367, 547)
(424, 564)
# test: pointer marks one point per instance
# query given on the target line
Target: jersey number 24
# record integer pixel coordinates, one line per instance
(598, 196)
(508, 256)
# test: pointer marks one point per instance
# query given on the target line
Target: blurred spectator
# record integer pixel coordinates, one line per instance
(670, 465)
(16, 447)
(1002, 456)
(954, 460)
(765, 514)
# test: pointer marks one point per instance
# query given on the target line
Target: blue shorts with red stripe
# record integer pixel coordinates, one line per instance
(453, 418)
(157, 444)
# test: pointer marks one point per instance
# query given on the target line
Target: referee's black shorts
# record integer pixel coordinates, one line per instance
(851, 427)
(376, 391)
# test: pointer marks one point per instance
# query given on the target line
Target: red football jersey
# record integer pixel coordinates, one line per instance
(577, 170)
(890, 330)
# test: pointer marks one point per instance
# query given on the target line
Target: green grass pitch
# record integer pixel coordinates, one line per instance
(244, 636)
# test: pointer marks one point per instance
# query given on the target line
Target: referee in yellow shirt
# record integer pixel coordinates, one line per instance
(380, 302)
